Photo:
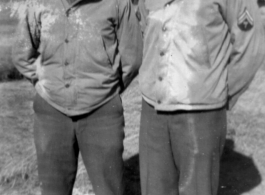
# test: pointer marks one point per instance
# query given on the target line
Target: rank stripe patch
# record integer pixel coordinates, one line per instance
(245, 15)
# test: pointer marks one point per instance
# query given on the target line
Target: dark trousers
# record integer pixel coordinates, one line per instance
(98, 136)
(180, 151)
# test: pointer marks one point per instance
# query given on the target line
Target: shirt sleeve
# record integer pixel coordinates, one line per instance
(248, 45)
(25, 47)
(130, 41)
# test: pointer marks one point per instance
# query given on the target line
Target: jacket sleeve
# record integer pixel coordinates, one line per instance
(130, 41)
(142, 14)
(248, 45)
(25, 47)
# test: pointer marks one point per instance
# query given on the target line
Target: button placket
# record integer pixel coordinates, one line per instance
(67, 55)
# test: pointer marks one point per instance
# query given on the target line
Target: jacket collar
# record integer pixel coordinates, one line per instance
(156, 4)
(71, 1)
(68, 4)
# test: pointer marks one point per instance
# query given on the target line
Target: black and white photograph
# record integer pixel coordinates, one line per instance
(132, 97)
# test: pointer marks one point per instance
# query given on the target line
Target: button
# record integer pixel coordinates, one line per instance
(67, 85)
(66, 41)
(159, 101)
(162, 53)
(160, 78)
(167, 5)
(164, 28)
(66, 63)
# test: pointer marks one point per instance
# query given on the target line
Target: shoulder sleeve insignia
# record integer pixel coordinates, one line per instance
(245, 21)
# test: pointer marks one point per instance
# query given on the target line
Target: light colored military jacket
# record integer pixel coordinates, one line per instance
(81, 54)
(199, 53)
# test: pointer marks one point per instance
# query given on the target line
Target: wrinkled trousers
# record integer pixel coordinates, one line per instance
(98, 136)
(180, 151)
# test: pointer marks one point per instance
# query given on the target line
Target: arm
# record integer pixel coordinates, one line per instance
(130, 42)
(247, 38)
(142, 14)
(24, 50)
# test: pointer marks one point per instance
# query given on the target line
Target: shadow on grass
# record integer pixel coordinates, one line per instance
(238, 173)
(132, 176)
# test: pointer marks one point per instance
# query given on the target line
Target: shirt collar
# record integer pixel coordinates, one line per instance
(156, 4)
(68, 4)
(71, 1)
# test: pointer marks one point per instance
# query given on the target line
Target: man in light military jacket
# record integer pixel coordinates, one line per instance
(79, 55)
(199, 56)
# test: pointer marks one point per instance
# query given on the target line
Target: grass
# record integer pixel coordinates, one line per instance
(17, 151)
(244, 163)
(247, 121)
(16, 127)
(7, 70)
(7, 30)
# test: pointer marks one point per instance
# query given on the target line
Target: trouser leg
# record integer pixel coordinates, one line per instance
(180, 151)
(158, 172)
(100, 137)
(56, 148)
(197, 140)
